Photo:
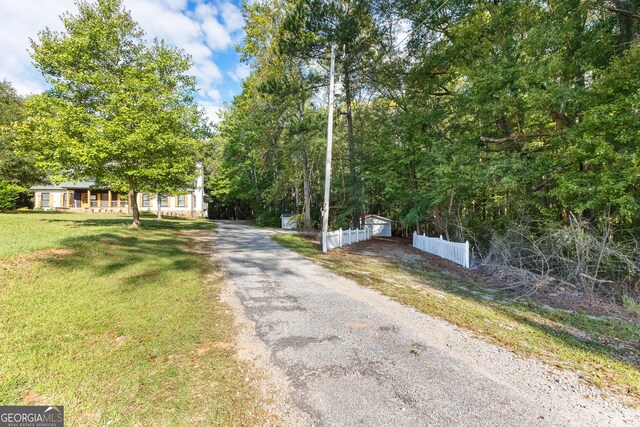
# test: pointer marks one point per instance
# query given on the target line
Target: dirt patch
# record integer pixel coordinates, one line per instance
(196, 242)
(60, 252)
(356, 325)
(207, 347)
(18, 261)
(33, 398)
(398, 251)
(583, 303)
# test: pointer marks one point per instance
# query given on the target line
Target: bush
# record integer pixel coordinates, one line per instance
(592, 259)
(268, 219)
(12, 196)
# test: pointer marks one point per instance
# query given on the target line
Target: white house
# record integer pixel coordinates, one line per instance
(86, 197)
(378, 225)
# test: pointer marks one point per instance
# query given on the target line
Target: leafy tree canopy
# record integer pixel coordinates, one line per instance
(15, 167)
(119, 110)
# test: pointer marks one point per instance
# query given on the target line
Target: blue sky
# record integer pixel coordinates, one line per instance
(206, 29)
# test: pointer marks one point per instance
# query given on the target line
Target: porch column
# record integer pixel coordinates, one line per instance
(89, 198)
(109, 198)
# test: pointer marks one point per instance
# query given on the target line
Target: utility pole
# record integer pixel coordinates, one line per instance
(327, 170)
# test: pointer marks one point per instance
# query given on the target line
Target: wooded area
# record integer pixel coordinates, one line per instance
(513, 124)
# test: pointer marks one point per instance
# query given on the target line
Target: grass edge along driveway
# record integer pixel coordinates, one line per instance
(600, 350)
(121, 326)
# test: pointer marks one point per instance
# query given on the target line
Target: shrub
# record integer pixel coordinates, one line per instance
(268, 219)
(12, 196)
(578, 255)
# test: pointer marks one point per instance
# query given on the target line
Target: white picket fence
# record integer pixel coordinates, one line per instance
(454, 252)
(340, 238)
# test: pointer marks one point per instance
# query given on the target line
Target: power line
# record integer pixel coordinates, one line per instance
(423, 22)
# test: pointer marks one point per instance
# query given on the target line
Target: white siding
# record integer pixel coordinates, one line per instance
(379, 227)
(56, 198)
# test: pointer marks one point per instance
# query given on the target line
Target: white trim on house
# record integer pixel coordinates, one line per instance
(82, 197)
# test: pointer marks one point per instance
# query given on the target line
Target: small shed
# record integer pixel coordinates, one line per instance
(378, 225)
(288, 222)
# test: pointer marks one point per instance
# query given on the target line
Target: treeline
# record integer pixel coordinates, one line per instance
(18, 170)
(460, 118)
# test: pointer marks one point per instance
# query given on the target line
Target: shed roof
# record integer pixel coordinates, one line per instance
(377, 216)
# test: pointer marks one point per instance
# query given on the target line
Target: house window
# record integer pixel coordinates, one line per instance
(164, 201)
(145, 200)
(44, 200)
(181, 200)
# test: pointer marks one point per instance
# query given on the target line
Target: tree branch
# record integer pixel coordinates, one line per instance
(627, 13)
(521, 136)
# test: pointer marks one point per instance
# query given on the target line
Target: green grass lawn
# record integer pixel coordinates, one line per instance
(603, 351)
(122, 326)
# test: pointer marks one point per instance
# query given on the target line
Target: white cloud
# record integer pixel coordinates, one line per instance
(199, 51)
(216, 35)
(164, 23)
(212, 111)
(205, 11)
(221, 25)
(201, 31)
(214, 96)
(232, 17)
(173, 4)
(207, 73)
(19, 21)
(240, 73)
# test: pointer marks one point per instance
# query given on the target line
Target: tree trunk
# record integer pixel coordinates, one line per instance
(133, 196)
(159, 206)
(353, 184)
(628, 23)
(307, 196)
(306, 186)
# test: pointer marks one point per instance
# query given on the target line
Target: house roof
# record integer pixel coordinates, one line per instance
(80, 185)
(67, 185)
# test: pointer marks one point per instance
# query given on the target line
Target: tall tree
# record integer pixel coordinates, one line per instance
(15, 167)
(308, 31)
(119, 110)
(475, 115)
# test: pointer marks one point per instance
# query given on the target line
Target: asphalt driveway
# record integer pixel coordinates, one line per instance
(354, 357)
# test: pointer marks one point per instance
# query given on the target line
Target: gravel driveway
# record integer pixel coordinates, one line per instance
(345, 355)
